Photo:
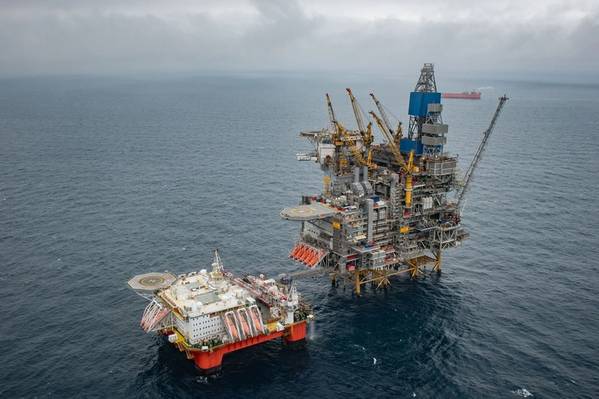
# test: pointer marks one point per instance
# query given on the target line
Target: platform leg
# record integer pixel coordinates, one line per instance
(357, 282)
(209, 362)
(437, 266)
(297, 333)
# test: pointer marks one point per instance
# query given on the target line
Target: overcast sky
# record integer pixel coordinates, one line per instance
(112, 37)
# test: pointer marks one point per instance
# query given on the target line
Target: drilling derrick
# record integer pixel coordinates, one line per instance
(386, 208)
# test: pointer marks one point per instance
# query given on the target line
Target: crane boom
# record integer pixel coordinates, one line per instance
(331, 111)
(479, 151)
(383, 114)
(340, 132)
(357, 153)
(357, 112)
(390, 141)
(407, 168)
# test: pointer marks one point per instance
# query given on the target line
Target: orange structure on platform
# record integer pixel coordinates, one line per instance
(210, 360)
(307, 254)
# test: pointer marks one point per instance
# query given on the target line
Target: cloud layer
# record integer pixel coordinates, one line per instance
(62, 37)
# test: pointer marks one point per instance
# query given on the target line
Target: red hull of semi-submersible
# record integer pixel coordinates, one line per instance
(473, 95)
(209, 361)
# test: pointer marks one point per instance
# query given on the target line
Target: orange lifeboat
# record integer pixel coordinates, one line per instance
(245, 326)
(231, 326)
(257, 319)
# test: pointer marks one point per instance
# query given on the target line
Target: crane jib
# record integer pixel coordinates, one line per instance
(479, 151)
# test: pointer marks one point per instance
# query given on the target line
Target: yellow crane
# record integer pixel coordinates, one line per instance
(357, 112)
(357, 153)
(390, 142)
(365, 132)
(396, 134)
(333, 119)
(408, 168)
(342, 133)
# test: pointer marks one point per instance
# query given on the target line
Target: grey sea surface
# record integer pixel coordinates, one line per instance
(105, 178)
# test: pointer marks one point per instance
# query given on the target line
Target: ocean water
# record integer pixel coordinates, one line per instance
(105, 178)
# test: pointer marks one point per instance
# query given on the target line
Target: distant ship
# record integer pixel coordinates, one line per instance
(472, 95)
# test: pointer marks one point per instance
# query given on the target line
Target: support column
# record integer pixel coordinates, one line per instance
(413, 269)
(357, 282)
(209, 362)
(437, 267)
(296, 333)
(384, 279)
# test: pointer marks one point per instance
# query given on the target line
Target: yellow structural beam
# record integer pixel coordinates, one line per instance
(437, 264)
(380, 278)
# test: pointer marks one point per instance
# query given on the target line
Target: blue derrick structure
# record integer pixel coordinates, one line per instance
(419, 102)
(406, 145)
(426, 134)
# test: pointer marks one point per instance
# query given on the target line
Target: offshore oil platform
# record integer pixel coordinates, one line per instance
(385, 209)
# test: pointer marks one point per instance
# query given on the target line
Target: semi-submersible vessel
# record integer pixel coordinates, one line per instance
(385, 209)
(207, 314)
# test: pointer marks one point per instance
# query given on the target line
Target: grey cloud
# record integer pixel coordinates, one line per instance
(109, 37)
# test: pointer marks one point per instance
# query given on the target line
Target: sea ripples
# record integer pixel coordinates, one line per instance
(104, 179)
